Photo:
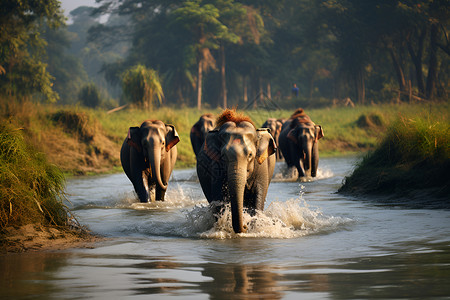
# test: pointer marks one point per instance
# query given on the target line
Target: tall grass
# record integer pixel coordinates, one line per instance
(414, 154)
(31, 189)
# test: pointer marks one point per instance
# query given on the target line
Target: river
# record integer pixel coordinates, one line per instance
(309, 243)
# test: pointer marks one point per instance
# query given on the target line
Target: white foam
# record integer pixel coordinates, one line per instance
(289, 219)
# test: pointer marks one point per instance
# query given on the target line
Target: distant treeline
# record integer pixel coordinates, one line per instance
(226, 53)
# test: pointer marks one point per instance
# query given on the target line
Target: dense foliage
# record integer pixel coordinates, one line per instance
(23, 71)
(214, 49)
(231, 52)
(31, 189)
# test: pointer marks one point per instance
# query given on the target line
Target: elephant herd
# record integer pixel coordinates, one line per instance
(235, 159)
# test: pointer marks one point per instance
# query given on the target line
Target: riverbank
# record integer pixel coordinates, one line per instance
(411, 162)
(38, 237)
(33, 216)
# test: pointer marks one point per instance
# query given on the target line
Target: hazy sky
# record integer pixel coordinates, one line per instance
(69, 5)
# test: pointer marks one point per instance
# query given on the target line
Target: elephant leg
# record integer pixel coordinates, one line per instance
(160, 193)
(301, 168)
(315, 159)
(141, 188)
(152, 191)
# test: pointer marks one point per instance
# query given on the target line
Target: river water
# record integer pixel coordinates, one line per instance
(310, 243)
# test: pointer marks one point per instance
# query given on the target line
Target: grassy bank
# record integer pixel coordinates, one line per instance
(414, 155)
(86, 141)
(32, 211)
(31, 189)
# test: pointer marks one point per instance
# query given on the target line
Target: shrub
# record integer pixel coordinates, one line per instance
(77, 123)
(90, 96)
(141, 86)
(372, 120)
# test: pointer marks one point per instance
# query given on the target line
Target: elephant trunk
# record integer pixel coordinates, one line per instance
(237, 177)
(155, 164)
(308, 156)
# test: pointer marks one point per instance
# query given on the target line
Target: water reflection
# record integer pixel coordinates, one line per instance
(421, 275)
(233, 281)
(22, 275)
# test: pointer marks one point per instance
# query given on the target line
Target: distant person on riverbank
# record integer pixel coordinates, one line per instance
(294, 90)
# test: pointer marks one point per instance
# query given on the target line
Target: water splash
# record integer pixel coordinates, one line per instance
(177, 197)
(290, 219)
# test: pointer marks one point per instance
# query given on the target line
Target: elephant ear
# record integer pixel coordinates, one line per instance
(265, 145)
(171, 137)
(134, 138)
(319, 132)
(210, 147)
(292, 136)
(195, 129)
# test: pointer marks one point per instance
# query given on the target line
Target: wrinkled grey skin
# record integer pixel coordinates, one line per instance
(200, 129)
(275, 129)
(148, 156)
(236, 165)
(300, 146)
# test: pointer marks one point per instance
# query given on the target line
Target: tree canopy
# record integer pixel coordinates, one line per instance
(232, 52)
(22, 47)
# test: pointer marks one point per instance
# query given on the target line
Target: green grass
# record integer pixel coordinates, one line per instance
(344, 132)
(414, 154)
(31, 189)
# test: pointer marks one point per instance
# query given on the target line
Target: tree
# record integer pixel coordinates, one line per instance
(142, 86)
(202, 22)
(22, 70)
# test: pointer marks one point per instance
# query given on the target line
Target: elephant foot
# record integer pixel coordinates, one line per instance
(305, 179)
(160, 195)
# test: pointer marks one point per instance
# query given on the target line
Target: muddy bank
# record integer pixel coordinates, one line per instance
(34, 238)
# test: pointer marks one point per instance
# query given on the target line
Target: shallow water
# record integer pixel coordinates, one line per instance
(309, 243)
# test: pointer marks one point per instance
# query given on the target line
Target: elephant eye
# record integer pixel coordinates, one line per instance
(250, 156)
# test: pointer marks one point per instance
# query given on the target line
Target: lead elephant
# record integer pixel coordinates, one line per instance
(236, 165)
(275, 126)
(200, 129)
(299, 143)
(148, 156)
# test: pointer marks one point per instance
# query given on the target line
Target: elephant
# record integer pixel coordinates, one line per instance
(299, 143)
(200, 129)
(236, 165)
(275, 128)
(148, 156)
